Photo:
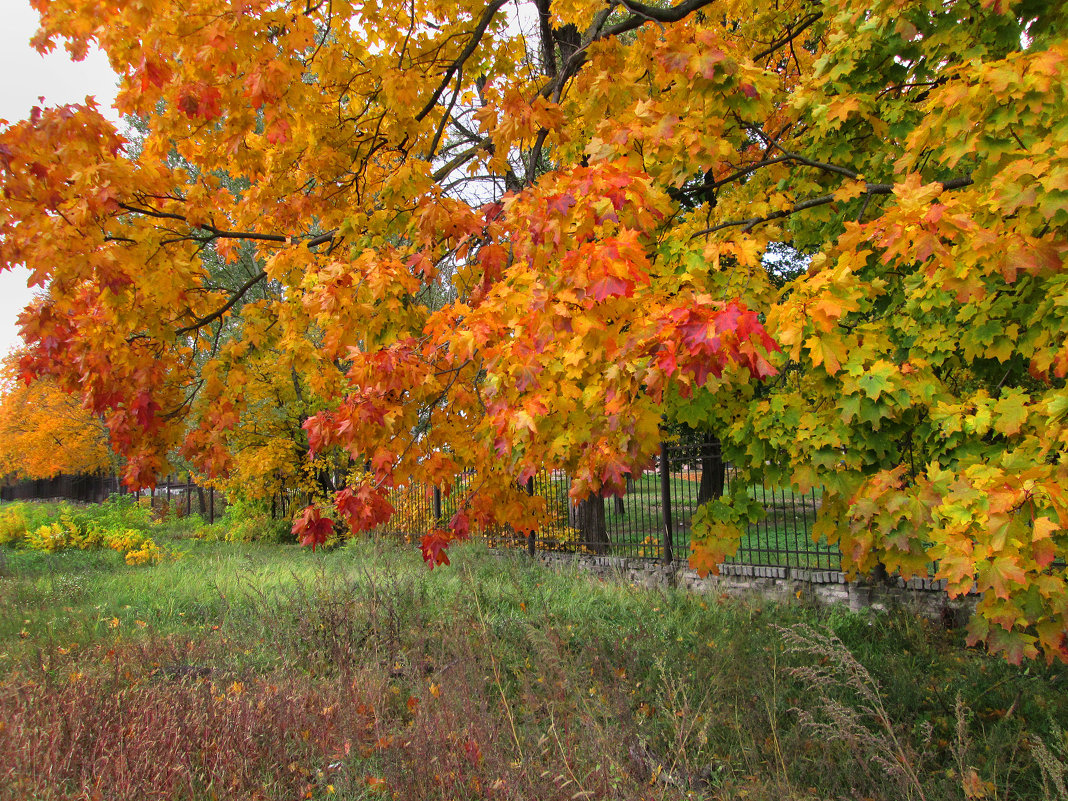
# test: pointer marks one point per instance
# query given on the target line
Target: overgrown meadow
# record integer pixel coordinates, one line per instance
(215, 669)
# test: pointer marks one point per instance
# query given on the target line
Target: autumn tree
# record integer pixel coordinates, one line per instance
(507, 237)
(45, 432)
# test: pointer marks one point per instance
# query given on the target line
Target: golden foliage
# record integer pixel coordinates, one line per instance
(45, 432)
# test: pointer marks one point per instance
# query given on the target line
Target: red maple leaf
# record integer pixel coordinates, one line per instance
(317, 428)
(312, 528)
(434, 546)
(561, 204)
(382, 462)
(460, 525)
(145, 408)
(364, 507)
(200, 100)
(614, 477)
(610, 287)
(153, 73)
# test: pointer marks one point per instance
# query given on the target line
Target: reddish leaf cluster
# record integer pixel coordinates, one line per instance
(435, 544)
(311, 528)
(364, 506)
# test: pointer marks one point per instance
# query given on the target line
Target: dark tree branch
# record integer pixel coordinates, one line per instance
(711, 186)
(220, 233)
(643, 13)
(548, 52)
(640, 15)
(219, 312)
(573, 48)
(870, 189)
(819, 165)
(462, 158)
(535, 155)
(473, 42)
(151, 212)
(445, 117)
(791, 33)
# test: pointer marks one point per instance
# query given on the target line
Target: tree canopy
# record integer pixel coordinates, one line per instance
(470, 236)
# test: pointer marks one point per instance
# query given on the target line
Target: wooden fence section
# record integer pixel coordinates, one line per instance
(82, 489)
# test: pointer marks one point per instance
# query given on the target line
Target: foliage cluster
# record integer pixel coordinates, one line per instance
(717, 524)
(243, 671)
(412, 518)
(553, 536)
(44, 431)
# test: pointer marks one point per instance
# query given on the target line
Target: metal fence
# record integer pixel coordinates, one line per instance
(652, 520)
(174, 495)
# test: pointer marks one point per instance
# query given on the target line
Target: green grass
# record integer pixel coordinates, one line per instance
(243, 671)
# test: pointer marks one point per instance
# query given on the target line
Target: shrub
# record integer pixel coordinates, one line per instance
(210, 532)
(119, 524)
(147, 554)
(12, 524)
(248, 521)
(259, 528)
(49, 537)
(560, 537)
(117, 512)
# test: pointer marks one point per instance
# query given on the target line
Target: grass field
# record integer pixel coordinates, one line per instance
(270, 672)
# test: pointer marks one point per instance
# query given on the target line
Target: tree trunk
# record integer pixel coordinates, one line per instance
(325, 481)
(620, 507)
(713, 470)
(588, 517)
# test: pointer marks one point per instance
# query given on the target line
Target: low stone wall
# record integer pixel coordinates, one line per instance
(926, 597)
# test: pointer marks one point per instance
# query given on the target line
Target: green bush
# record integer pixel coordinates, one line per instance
(117, 512)
(248, 521)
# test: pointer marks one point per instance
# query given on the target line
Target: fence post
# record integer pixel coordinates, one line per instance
(531, 541)
(665, 503)
(437, 506)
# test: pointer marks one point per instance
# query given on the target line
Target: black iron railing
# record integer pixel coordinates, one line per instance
(652, 520)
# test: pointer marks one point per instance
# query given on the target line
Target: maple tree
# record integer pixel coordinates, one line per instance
(501, 238)
(45, 432)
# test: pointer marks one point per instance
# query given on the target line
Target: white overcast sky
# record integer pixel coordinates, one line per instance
(27, 75)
